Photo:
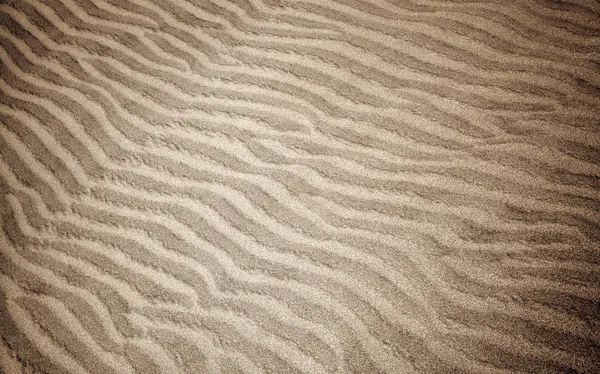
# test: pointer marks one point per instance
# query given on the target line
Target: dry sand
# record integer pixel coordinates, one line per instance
(313, 186)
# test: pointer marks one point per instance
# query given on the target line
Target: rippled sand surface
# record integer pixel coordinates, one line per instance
(299, 186)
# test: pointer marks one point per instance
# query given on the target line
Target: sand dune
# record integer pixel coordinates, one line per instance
(278, 186)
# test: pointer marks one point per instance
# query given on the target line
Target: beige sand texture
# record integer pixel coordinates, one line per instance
(299, 186)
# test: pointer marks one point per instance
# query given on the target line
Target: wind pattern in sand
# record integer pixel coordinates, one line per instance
(313, 186)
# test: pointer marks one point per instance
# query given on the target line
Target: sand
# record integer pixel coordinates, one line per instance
(299, 186)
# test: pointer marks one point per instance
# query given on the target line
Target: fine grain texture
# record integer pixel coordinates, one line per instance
(299, 186)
